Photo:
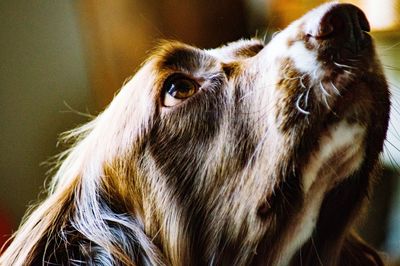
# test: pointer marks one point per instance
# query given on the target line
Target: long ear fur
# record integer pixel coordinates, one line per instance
(334, 242)
(79, 222)
(357, 252)
(353, 251)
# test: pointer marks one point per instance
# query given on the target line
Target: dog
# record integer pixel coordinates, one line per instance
(247, 154)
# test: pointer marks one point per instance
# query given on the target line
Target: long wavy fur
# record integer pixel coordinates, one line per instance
(220, 178)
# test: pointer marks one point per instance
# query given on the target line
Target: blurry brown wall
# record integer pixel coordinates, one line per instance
(41, 67)
(281, 13)
(118, 34)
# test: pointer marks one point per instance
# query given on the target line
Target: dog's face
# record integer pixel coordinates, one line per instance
(237, 155)
(237, 148)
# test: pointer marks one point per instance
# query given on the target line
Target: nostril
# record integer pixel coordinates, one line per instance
(331, 24)
(325, 30)
(340, 19)
(336, 20)
(344, 24)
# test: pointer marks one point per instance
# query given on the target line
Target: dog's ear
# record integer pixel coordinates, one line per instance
(351, 251)
(356, 252)
(78, 220)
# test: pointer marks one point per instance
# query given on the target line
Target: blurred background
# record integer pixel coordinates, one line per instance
(58, 58)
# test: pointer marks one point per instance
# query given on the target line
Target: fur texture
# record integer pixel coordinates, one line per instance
(268, 162)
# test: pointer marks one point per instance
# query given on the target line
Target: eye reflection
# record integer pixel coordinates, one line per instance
(177, 89)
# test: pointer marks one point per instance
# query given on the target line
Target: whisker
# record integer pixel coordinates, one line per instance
(392, 68)
(391, 158)
(275, 33)
(394, 146)
(307, 96)
(291, 78)
(301, 110)
(316, 251)
(395, 132)
(326, 102)
(315, 74)
(343, 66)
(301, 81)
(348, 72)
(323, 89)
(353, 60)
(337, 92)
(390, 47)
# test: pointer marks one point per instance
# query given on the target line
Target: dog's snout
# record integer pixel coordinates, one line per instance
(345, 24)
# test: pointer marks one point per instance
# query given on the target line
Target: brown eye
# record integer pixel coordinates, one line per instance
(177, 89)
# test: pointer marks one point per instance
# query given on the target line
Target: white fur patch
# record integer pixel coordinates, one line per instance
(337, 138)
(304, 59)
(340, 137)
(303, 227)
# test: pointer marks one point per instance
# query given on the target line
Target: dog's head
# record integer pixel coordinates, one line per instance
(235, 155)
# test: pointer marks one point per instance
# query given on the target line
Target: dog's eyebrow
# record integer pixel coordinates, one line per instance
(183, 57)
(249, 50)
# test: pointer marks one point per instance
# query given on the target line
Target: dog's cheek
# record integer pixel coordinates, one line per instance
(291, 86)
(179, 140)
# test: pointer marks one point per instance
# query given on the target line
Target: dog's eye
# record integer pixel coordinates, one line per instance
(177, 89)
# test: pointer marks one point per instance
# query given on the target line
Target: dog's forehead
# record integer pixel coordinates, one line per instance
(237, 50)
(179, 56)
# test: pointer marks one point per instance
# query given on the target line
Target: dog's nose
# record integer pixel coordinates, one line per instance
(345, 24)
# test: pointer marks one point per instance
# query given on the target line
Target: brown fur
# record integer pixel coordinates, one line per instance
(220, 178)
